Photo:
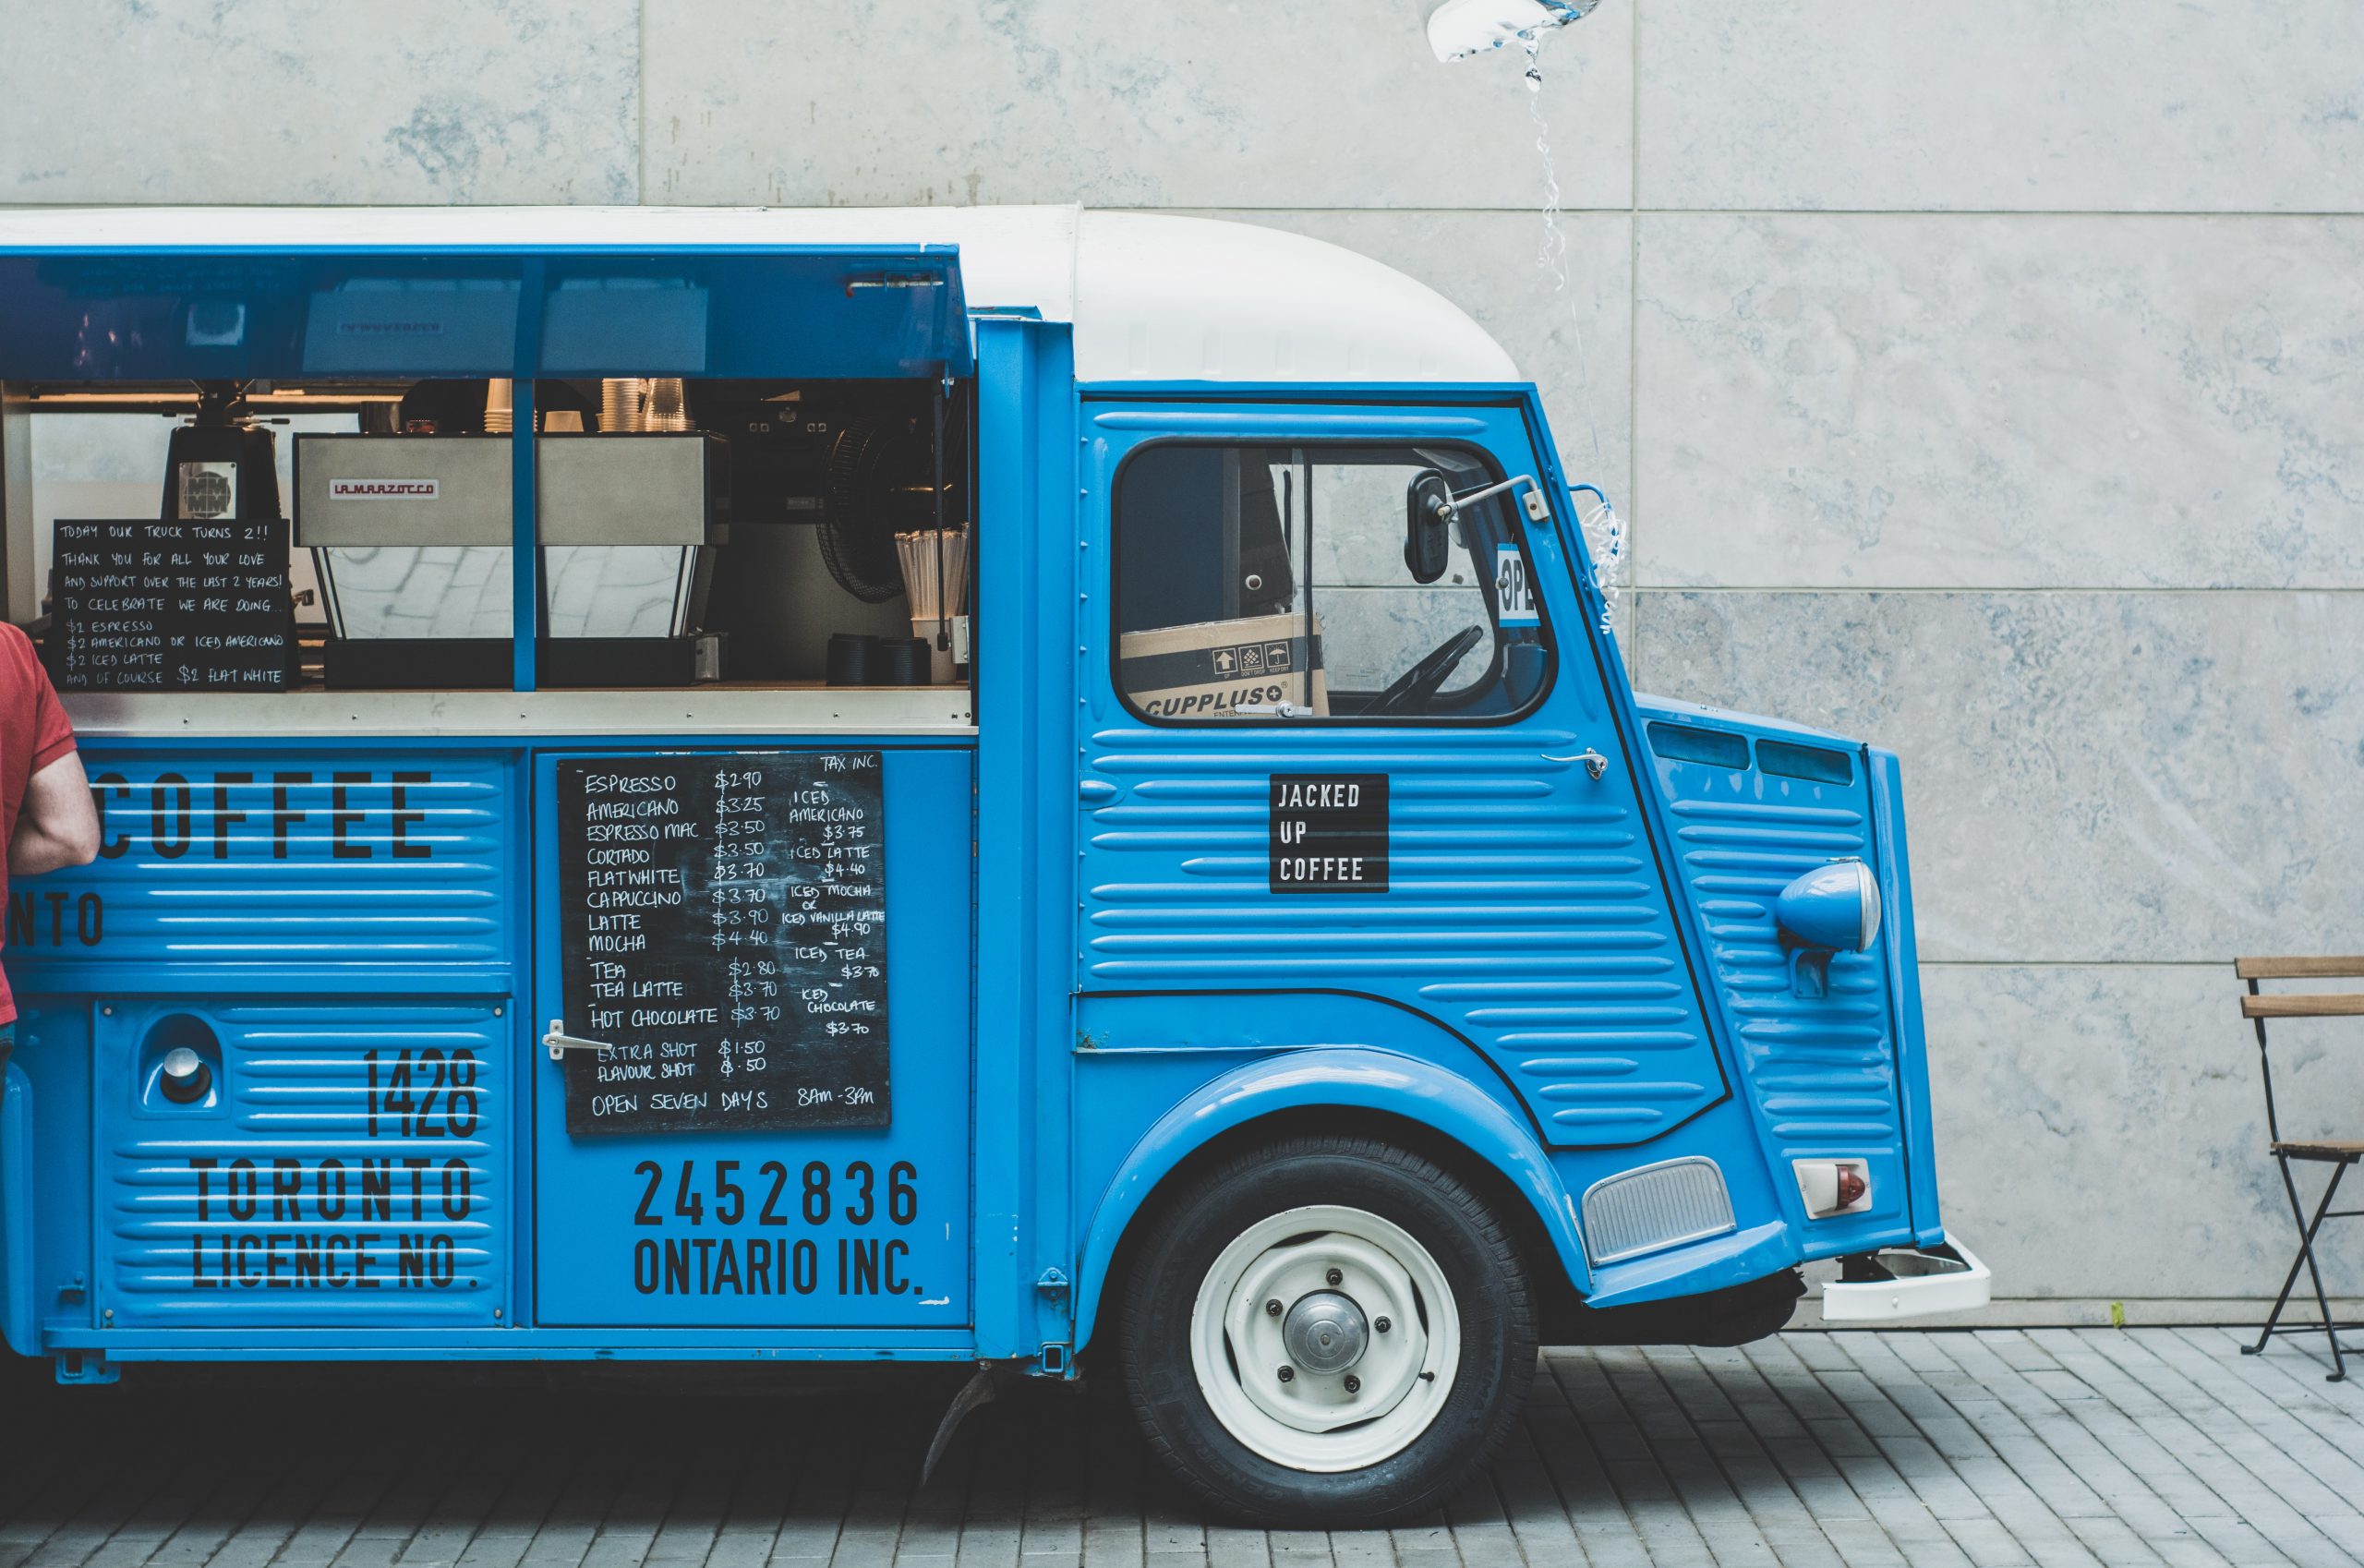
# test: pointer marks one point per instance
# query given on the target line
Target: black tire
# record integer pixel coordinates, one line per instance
(1467, 1242)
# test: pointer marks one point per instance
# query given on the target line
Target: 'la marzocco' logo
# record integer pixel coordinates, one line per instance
(381, 489)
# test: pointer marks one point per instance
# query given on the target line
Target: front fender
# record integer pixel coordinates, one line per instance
(1347, 1078)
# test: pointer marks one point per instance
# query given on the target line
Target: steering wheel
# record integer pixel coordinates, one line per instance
(1417, 684)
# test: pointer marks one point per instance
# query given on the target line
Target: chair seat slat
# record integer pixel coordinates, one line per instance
(2320, 1004)
(2321, 1148)
(2300, 967)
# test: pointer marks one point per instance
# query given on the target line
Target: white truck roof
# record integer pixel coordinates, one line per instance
(1151, 297)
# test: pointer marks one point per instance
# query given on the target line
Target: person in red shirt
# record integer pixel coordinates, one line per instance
(45, 806)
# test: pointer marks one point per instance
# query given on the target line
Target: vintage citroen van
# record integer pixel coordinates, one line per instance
(1028, 787)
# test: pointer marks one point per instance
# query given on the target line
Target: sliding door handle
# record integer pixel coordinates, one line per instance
(558, 1043)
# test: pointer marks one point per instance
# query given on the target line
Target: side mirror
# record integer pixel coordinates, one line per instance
(1427, 526)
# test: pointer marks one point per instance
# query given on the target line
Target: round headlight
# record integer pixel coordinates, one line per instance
(1834, 907)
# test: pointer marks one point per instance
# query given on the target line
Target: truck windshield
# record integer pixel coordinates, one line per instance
(1271, 584)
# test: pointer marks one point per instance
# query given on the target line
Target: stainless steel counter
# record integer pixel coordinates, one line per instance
(698, 710)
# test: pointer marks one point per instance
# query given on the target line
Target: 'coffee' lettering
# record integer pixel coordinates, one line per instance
(364, 810)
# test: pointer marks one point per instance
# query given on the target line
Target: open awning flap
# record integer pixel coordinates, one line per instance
(147, 314)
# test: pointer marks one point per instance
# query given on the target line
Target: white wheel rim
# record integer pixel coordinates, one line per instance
(1325, 1421)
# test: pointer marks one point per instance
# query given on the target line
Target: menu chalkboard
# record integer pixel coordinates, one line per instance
(150, 606)
(723, 924)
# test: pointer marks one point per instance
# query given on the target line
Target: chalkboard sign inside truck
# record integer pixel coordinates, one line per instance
(143, 605)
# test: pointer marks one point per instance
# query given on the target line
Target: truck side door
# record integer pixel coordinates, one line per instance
(1309, 768)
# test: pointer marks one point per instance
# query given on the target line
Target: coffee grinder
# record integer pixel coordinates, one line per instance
(221, 467)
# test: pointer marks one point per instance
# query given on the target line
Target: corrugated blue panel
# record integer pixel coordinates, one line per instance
(280, 858)
(344, 1168)
(1518, 913)
(1525, 909)
(1820, 1071)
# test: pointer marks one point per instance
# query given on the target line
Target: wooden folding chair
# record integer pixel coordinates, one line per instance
(2339, 1153)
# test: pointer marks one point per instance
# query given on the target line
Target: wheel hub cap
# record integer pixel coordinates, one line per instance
(1316, 1386)
(1325, 1332)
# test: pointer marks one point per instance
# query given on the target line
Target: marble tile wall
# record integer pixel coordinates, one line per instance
(299, 100)
(2071, 402)
(2008, 105)
(1308, 104)
(1978, 380)
(2101, 1129)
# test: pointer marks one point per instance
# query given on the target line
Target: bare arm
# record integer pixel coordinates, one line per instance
(58, 824)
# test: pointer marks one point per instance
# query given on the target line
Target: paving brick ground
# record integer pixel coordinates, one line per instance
(2146, 1446)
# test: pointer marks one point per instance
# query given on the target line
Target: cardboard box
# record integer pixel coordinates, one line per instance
(1207, 669)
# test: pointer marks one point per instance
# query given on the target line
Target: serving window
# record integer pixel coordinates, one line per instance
(1290, 584)
(247, 472)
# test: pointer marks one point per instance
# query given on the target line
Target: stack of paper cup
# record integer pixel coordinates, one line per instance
(936, 578)
(623, 404)
(669, 406)
(643, 403)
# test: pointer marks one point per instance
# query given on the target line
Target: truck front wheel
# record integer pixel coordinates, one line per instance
(1327, 1330)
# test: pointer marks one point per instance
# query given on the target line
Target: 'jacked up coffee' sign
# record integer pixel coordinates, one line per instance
(1328, 833)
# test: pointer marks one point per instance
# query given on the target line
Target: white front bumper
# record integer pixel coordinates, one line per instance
(1951, 1280)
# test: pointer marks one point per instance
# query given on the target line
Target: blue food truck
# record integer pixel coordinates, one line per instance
(1035, 789)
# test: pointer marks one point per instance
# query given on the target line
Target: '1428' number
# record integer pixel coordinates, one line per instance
(424, 1094)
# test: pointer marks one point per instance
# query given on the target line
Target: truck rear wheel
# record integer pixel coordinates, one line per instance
(1327, 1330)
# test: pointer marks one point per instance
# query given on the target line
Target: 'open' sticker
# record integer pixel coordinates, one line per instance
(1513, 593)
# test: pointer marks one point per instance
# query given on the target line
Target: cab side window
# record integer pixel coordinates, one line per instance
(1284, 585)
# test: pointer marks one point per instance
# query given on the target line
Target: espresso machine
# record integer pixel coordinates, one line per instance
(411, 535)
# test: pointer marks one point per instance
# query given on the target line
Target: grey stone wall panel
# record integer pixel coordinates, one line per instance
(2053, 105)
(1897, 400)
(292, 101)
(2101, 1130)
(1314, 103)
(2089, 777)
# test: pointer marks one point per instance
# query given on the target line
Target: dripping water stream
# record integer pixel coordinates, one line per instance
(1604, 531)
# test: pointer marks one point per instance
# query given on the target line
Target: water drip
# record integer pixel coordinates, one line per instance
(1604, 531)
(1459, 29)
